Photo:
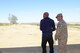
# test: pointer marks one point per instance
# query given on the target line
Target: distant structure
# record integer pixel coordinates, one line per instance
(13, 19)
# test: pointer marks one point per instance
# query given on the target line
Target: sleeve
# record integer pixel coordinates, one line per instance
(41, 25)
(59, 29)
(53, 26)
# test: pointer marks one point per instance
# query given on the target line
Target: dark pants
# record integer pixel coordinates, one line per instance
(48, 39)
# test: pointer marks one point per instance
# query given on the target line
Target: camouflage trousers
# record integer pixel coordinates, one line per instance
(62, 46)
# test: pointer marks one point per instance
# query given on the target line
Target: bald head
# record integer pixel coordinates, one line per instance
(45, 15)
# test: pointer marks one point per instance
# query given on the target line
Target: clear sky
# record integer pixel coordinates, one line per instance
(32, 10)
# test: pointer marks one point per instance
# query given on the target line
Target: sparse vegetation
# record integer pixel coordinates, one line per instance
(69, 25)
(5, 24)
(74, 26)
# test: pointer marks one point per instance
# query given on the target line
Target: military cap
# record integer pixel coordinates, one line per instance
(60, 14)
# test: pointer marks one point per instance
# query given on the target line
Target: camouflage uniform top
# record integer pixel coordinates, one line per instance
(61, 31)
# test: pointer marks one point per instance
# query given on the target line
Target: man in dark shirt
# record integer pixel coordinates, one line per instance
(47, 26)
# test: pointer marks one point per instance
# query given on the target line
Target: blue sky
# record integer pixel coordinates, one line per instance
(32, 10)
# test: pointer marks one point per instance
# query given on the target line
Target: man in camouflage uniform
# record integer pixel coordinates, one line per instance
(61, 34)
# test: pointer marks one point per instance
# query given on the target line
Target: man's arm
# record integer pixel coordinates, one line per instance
(53, 26)
(41, 25)
(59, 30)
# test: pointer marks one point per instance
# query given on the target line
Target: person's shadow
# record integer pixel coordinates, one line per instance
(74, 48)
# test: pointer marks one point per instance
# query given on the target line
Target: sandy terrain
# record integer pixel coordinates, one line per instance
(19, 36)
(30, 36)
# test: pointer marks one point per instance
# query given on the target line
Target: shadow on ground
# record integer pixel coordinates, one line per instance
(74, 48)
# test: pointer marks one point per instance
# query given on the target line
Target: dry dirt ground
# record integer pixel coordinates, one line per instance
(27, 39)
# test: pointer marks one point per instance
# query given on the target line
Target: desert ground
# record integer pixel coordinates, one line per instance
(25, 38)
